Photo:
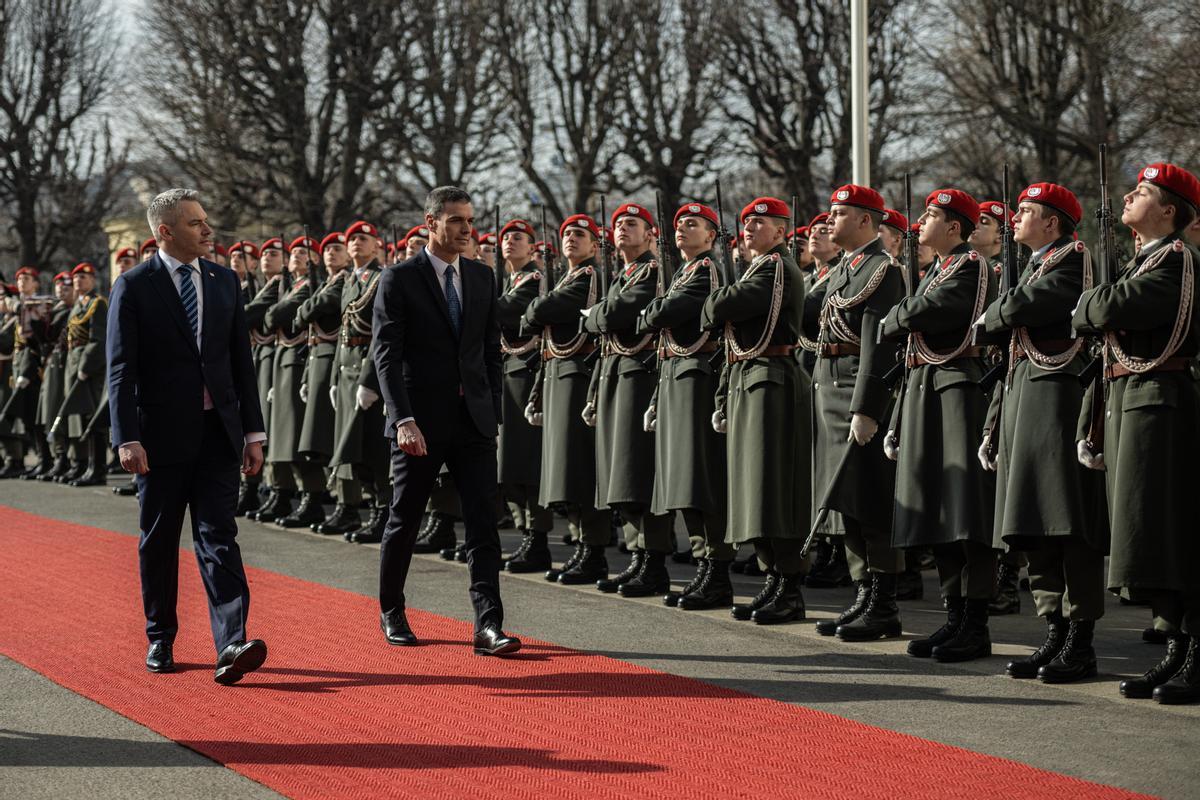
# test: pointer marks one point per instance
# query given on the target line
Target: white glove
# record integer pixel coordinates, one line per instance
(650, 420)
(22, 382)
(304, 393)
(589, 415)
(271, 395)
(82, 375)
(1087, 458)
(988, 463)
(333, 397)
(365, 397)
(891, 446)
(719, 423)
(862, 429)
(532, 415)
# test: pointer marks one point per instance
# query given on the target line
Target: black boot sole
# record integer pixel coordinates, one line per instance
(888, 630)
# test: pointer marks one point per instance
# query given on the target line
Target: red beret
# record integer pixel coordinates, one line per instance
(419, 231)
(274, 243)
(997, 211)
(337, 237)
(489, 238)
(363, 227)
(30, 271)
(62, 276)
(221, 251)
(1174, 179)
(915, 227)
(1057, 197)
(126, 252)
(520, 226)
(894, 219)
(857, 196)
(84, 268)
(802, 232)
(631, 210)
(819, 219)
(696, 210)
(765, 207)
(305, 241)
(957, 201)
(549, 245)
(146, 245)
(580, 221)
(402, 244)
(247, 248)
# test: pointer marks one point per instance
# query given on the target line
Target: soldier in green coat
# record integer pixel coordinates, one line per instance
(622, 388)
(322, 314)
(689, 456)
(944, 497)
(568, 469)
(1146, 432)
(519, 458)
(1046, 503)
(31, 343)
(361, 451)
(287, 409)
(769, 453)
(849, 401)
(54, 375)
(85, 368)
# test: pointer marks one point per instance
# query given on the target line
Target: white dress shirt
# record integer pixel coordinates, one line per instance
(439, 267)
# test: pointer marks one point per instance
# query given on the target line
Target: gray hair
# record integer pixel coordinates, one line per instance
(436, 200)
(164, 209)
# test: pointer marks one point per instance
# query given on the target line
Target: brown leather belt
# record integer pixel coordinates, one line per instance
(836, 349)
(707, 347)
(357, 341)
(1176, 364)
(313, 341)
(770, 351)
(1051, 346)
(916, 360)
(587, 348)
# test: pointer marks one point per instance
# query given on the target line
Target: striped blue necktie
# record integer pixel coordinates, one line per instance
(452, 301)
(187, 293)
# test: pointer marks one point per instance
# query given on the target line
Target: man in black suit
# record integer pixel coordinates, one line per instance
(437, 355)
(185, 415)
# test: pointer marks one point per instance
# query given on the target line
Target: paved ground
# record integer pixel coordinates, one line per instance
(56, 744)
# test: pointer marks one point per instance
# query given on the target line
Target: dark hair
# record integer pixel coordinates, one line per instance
(435, 201)
(1066, 225)
(1185, 212)
(966, 227)
(876, 217)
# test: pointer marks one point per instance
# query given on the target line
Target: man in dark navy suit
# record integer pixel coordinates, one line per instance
(437, 355)
(185, 416)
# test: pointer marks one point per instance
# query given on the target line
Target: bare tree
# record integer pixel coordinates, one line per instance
(58, 162)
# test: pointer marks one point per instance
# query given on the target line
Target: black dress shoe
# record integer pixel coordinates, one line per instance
(159, 658)
(491, 641)
(238, 659)
(396, 630)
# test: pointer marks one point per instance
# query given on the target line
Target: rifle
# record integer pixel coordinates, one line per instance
(1008, 279)
(664, 259)
(497, 260)
(725, 242)
(793, 247)
(547, 256)
(61, 417)
(912, 275)
(10, 405)
(317, 268)
(606, 248)
(1093, 374)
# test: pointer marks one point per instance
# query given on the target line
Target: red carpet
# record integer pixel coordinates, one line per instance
(437, 721)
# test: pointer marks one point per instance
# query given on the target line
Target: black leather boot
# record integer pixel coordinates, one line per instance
(880, 619)
(371, 521)
(57, 470)
(591, 567)
(786, 605)
(862, 595)
(651, 579)
(552, 574)
(437, 536)
(534, 556)
(909, 585)
(1056, 635)
(923, 648)
(45, 458)
(372, 532)
(73, 472)
(11, 469)
(520, 551)
(1077, 659)
(343, 519)
(671, 598)
(714, 591)
(745, 611)
(1172, 661)
(611, 585)
(280, 508)
(973, 639)
(1184, 685)
(1007, 598)
(96, 472)
(270, 501)
(835, 573)
(307, 513)
(247, 501)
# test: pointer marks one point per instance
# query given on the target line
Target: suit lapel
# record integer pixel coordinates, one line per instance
(164, 284)
(208, 288)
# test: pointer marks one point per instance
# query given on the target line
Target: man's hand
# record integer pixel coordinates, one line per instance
(891, 446)
(718, 422)
(862, 429)
(133, 458)
(1087, 457)
(532, 415)
(365, 397)
(333, 397)
(589, 415)
(985, 461)
(22, 382)
(410, 440)
(252, 458)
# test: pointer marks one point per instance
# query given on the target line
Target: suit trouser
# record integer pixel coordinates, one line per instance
(966, 569)
(1066, 575)
(706, 533)
(471, 459)
(653, 530)
(523, 505)
(870, 550)
(208, 487)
